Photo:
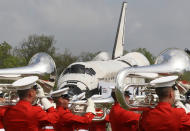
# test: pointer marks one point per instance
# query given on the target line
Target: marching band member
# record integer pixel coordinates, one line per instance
(23, 116)
(48, 126)
(94, 125)
(164, 117)
(2, 111)
(99, 125)
(122, 119)
(67, 119)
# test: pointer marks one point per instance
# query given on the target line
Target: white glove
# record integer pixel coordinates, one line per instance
(187, 105)
(91, 106)
(46, 103)
(177, 95)
(40, 92)
(179, 104)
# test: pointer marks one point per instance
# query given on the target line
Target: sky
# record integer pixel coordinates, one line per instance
(90, 25)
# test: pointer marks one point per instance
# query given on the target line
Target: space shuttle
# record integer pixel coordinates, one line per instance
(92, 76)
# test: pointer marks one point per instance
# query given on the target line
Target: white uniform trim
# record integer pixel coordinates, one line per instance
(81, 130)
(47, 127)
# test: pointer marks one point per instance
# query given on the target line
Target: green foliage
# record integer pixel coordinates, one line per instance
(63, 60)
(125, 52)
(5, 49)
(146, 53)
(13, 61)
(35, 44)
(21, 55)
(185, 76)
(41, 43)
(7, 59)
(86, 56)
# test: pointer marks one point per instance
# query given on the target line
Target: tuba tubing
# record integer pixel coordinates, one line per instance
(41, 65)
(96, 102)
(171, 61)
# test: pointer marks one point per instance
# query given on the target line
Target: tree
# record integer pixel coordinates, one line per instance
(35, 44)
(125, 52)
(5, 50)
(63, 60)
(86, 56)
(7, 59)
(146, 53)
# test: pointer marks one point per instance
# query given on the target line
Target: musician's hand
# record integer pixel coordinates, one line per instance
(40, 91)
(177, 95)
(91, 106)
(179, 104)
(46, 103)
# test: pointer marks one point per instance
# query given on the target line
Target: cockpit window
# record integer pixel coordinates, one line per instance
(73, 90)
(90, 71)
(78, 68)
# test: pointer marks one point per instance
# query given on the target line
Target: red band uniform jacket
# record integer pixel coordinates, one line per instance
(122, 119)
(164, 118)
(95, 125)
(67, 120)
(25, 117)
(2, 112)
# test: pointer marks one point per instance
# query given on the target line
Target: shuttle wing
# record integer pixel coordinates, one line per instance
(119, 40)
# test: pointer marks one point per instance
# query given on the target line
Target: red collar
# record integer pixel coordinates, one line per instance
(24, 102)
(164, 104)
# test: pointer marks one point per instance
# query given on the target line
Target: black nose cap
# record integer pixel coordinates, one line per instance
(92, 92)
(187, 51)
(73, 90)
